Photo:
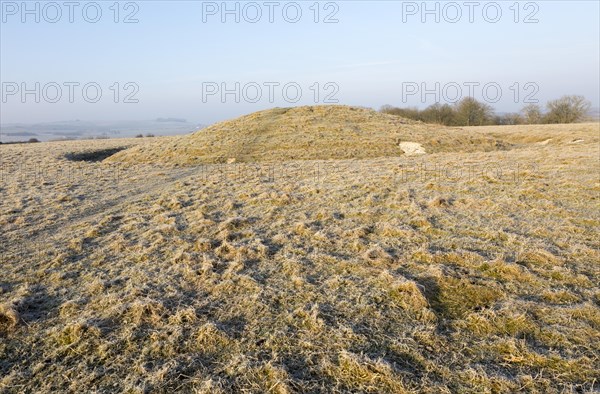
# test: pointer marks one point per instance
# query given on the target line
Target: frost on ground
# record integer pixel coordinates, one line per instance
(305, 133)
(452, 272)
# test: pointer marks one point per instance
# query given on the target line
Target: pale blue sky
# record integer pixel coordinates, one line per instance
(368, 54)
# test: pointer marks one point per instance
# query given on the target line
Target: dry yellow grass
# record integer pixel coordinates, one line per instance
(306, 133)
(451, 272)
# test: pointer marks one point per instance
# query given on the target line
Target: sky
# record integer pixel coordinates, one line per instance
(110, 61)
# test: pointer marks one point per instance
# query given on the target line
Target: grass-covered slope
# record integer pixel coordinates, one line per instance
(314, 132)
(446, 273)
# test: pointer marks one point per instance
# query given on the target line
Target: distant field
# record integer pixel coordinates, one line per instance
(73, 130)
(462, 270)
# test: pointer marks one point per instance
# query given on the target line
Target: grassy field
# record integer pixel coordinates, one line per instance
(473, 268)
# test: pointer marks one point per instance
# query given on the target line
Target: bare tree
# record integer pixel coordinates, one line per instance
(470, 112)
(532, 114)
(567, 109)
(440, 114)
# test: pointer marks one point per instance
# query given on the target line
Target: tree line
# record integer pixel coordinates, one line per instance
(470, 112)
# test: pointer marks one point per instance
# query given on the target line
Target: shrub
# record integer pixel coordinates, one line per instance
(409, 113)
(508, 119)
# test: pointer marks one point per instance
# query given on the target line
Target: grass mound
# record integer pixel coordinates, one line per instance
(306, 133)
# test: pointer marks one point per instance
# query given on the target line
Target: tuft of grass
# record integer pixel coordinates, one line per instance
(560, 297)
(516, 352)
(457, 297)
(210, 341)
(9, 318)
(538, 258)
(501, 323)
(145, 311)
(350, 372)
(506, 272)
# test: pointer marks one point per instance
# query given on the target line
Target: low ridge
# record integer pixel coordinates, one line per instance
(306, 133)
